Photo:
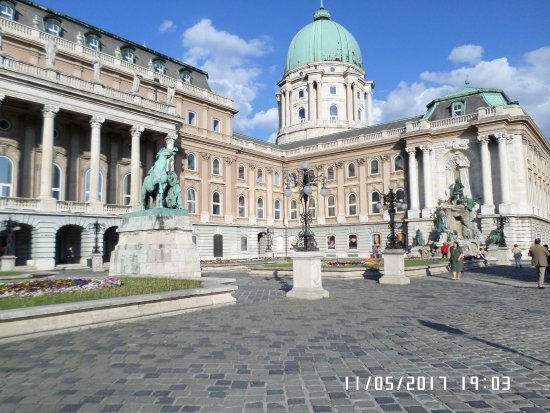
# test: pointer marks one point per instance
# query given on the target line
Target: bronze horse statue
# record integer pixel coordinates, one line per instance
(155, 182)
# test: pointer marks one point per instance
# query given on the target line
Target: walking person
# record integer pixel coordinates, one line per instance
(457, 260)
(539, 259)
(516, 253)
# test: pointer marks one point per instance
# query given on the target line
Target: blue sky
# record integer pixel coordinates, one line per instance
(415, 51)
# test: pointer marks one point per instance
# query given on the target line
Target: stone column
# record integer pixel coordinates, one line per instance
(349, 102)
(321, 200)
(363, 192)
(312, 109)
(520, 176)
(170, 139)
(49, 113)
(252, 193)
(289, 108)
(413, 183)
(320, 114)
(205, 199)
(136, 132)
(229, 203)
(503, 139)
(368, 90)
(95, 151)
(341, 194)
(488, 206)
(268, 207)
(428, 199)
(283, 109)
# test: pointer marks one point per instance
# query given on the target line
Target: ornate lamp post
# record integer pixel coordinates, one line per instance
(96, 226)
(306, 261)
(305, 180)
(394, 260)
(391, 203)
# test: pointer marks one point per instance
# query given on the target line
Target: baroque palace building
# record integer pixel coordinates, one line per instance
(84, 111)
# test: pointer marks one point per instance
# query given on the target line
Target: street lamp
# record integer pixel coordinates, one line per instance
(391, 204)
(96, 226)
(305, 180)
(10, 226)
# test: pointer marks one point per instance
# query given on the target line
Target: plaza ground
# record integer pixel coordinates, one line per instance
(271, 354)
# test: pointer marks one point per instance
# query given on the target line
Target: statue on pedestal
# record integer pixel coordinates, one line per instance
(156, 181)
(458, 192)
(418, 239)
(172, 198)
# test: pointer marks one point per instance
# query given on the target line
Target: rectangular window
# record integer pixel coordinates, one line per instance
(333, 90)
(192, 118)
(244, 244)
(216, 125)
(53, 28)
(6, 12)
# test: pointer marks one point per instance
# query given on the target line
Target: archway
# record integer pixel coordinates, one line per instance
(68, 241)
(110, 239)
(262, 242)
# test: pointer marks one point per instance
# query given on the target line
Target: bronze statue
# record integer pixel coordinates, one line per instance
(156, 181)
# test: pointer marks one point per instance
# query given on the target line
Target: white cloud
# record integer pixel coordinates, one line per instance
(167, 26)
(469, 53)
(265, 119)
(528, 83)
(228, 60)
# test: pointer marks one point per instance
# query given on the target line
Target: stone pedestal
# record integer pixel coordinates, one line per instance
(7, 263)
(306, 276)
(156, 243)
(394, 267)
(97, 262)
(503, 255)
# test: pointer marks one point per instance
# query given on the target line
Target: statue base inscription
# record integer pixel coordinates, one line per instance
(156, 243)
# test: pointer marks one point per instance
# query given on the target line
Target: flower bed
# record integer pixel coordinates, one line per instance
(369, 262)
(48, 287)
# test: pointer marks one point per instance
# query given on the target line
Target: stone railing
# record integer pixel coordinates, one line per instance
(257, 146)
(19, 203)
(114, 209)
(424, 124)
(71, 207)
(210, 134)
(77, 48)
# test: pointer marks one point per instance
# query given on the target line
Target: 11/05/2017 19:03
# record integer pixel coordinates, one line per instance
(412, 383)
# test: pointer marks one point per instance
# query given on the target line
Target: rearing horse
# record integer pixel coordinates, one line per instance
(155, 182)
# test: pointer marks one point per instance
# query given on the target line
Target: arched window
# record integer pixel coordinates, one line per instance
(331, 206)
(376, 206)
(277, 209)
(400, 197)
(216, 203)
(185, 75)
(260, 176)
(216, 125)
(128, 54)
(312, 207)
(191, 162)
(457, 109)
(398, 164)
(242, 172)
(276, 179)
(333, 113)
(301, 115)
(87, 186)
(374, 167)
(56, 181)
(352, 204)
(241, 207)
(293, 209)
(260, 208)
(191, 201)
(351, 170)
(6, 177)
(159, 66)
(126, 189)
(216, 167)
(330, 173)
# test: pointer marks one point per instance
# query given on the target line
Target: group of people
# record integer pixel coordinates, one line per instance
(539, 258)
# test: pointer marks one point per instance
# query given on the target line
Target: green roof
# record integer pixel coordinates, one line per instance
(323, 40)
(493, 97)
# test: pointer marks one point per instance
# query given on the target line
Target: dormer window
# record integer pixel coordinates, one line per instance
(93, 42)
(159, 66)
(53, 27)
(128, 54)
(457, 109)
(7, 10)
(185, 75)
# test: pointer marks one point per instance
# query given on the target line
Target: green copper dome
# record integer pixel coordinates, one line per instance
(321, 41)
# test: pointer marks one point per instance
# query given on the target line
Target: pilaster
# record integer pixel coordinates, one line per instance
(136, 132)
(48, 203)
(488, 206)
(413, 184)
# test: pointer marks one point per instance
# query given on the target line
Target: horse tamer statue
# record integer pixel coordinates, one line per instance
(157, 179)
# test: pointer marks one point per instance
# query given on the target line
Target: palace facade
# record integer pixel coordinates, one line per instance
(84, 111)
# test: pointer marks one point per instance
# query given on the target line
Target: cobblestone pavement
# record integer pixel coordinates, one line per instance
(271, 354)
